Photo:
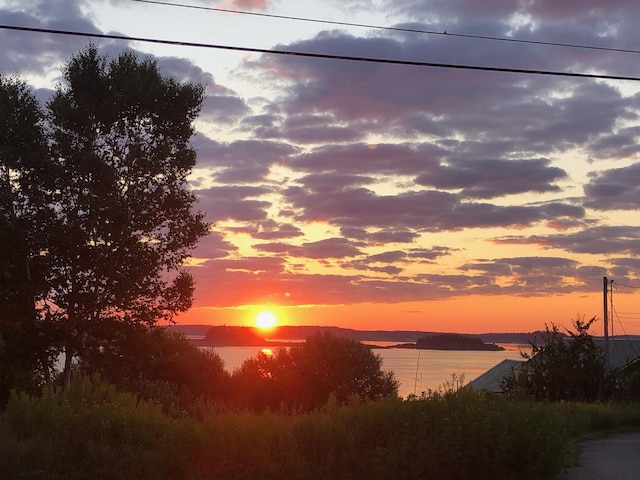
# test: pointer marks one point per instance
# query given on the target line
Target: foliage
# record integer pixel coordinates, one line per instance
(454, 341)
(120, 133)
(92, 430)
(304, 376)
(96, 213)
(451, 386)
(627, 382)
(161, 366)
(90, 427)
(226, 335)
(562, 368)
(24, 177)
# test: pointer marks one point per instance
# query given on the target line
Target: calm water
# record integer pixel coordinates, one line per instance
(416, 370)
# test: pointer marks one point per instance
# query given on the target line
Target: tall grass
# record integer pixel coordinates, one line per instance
(93, 431)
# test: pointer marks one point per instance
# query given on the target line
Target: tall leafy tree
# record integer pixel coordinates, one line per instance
(25, 175)
(119, 134)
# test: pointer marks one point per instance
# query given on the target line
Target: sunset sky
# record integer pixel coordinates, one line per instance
(389, 196)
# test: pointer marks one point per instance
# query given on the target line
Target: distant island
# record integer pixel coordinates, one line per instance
(219, 336)
(288, 333)
(453, 341)
(232, 336)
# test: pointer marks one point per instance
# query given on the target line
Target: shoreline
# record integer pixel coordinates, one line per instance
(201, 342)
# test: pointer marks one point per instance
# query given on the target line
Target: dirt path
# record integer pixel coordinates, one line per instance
(616, 457)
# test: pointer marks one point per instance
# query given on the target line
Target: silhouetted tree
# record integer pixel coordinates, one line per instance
(119, 133)
(253, 386)
(142, 360)
(25, 178)
(304, 376)
(564, 367)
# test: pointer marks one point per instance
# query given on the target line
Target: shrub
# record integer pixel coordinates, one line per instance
(303, 377)
(567, 368)
(161, 366)
(92, 430)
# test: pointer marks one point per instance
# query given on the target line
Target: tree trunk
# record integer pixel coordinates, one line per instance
(66, 375)
(47, 376)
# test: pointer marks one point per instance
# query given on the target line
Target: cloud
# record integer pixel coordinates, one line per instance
(532, 276)
(529, 276)
(623, 143)
(534, 16)
(625, 270)
(426, 210)
(242, 161)
(502, 113)
(333, 182)
(431, 254)
(328, 248)
(304, 129)
(600, 240)
(380, 236)
(327, 183)
(486, 178)
(233, 203)
(214, 246)
(34, 53)
(386, 262)
(272, 230)
(366, 159)
(614, 189)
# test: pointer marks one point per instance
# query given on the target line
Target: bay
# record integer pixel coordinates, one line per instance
(417, 370)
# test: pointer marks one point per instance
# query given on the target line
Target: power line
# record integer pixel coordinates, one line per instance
(393, 29)
(627, 286)
(321, 55)
(623, 330)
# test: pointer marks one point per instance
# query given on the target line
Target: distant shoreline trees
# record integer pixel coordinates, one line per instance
(454, 341)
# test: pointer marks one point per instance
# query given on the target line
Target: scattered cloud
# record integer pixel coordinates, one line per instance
(330, 182)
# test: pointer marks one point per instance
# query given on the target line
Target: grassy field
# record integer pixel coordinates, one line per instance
(93, 431)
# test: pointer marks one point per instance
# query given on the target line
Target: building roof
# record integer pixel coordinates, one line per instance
(621, 351)
(491, 380)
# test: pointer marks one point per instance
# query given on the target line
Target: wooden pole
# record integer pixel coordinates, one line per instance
(605, 290)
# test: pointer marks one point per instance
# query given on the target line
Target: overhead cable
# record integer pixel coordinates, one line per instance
(393, 29)
(625, 332)
(320, 55)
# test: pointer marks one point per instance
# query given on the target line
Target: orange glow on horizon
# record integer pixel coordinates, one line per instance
(471, 314)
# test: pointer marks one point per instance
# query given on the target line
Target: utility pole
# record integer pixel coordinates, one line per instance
(605, 304)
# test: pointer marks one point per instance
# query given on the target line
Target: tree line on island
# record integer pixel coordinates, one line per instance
(225, 335)
(300, 332)
(452, 341)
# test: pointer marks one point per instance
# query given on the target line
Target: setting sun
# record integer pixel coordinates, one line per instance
(266, 320)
